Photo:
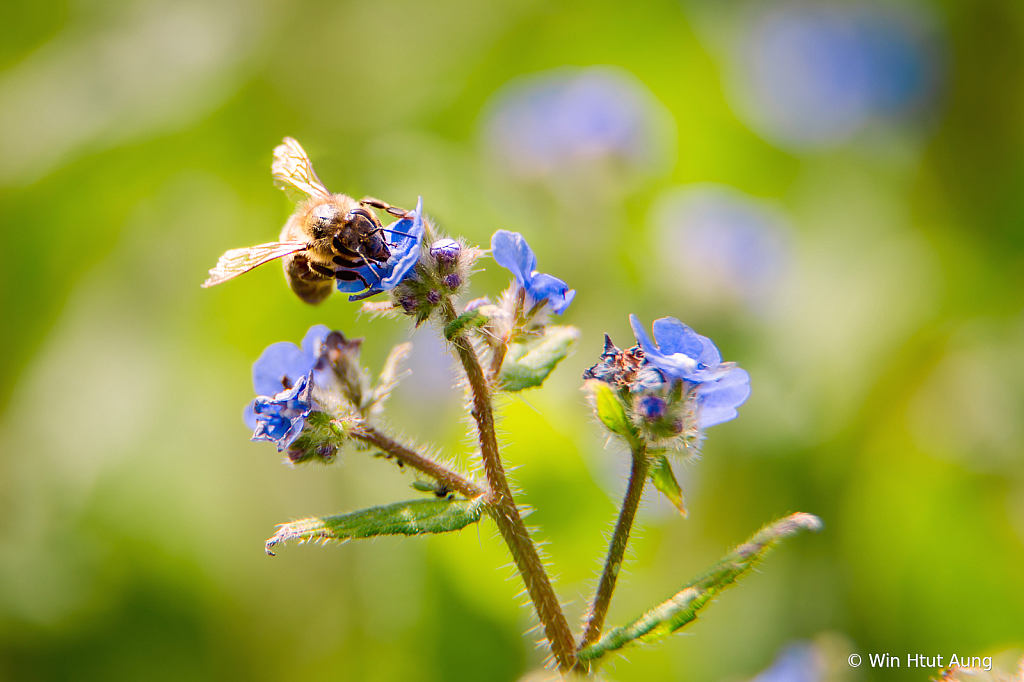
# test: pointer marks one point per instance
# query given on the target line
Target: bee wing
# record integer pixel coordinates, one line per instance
(239, 261)
(293, 172)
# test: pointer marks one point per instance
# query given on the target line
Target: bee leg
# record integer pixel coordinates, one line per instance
(351, 276)
(324, 272)
(393, 210)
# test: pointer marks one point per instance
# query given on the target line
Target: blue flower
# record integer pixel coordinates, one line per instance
(281, 419)
(561, 123)
(405, 253)
(741, 244)
(821, 73)
(512, 252)
(683, 354)
(282, 364)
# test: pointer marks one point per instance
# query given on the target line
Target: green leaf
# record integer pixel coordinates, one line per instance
(664, 480)
(529, 362)
(610, 410)
(682, 608)
(402, 518)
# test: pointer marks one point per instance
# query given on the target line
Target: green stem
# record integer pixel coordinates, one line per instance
(406, 455)
(504, 510)
(617, 548)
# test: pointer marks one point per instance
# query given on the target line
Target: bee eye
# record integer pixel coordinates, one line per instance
(360, 216)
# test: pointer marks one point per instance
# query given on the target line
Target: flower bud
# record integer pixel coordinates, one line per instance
(409, 304)
(446, 250)
(651, 407)
(433, 297)
(342, 355)
(453, 281)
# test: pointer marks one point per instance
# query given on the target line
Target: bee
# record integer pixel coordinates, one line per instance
(329, 236)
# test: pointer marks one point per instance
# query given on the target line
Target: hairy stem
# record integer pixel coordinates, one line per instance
(499, 351)
(408, 456)
(504, 510)
(617, 548)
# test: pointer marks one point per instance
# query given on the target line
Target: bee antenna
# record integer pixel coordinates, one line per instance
(384, 229)
(368, 264)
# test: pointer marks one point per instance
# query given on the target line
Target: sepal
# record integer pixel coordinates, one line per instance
(610, 411)
(661, 475)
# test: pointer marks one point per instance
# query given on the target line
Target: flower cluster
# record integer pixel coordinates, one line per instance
(295, 383)
(316, 397)
(674, 387)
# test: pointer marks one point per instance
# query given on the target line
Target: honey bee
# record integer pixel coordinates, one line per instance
(329, 236)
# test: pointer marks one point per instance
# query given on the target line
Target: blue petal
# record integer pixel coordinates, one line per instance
(554, 290)
(717, 400)
(352, 286)
(281, 419)
(677, 365)
(511, 252)
(279, 360)
(314, 339)
(709, 355)
(675, 337)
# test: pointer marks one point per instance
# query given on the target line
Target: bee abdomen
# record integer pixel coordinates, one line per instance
(309, 281)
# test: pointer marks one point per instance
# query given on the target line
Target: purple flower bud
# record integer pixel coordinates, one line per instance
(651, 407)
(452, 281)
(446, 250)
(409, 304)
(433, 297)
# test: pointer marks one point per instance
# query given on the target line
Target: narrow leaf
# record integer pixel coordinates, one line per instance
(682, 608)
(664, 480)
(529, 362)
(402, 518)
(610, 410)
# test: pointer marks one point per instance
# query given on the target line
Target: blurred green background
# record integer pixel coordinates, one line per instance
(833, 193)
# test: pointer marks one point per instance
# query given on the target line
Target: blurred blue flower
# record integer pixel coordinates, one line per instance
(821, 73)
(405, 253)
(799, 662)
(282, 364)
(512, 252)
(281, 419)
(549, 124)
(740, 243)
(681, 353)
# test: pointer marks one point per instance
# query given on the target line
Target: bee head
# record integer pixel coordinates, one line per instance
(365, 228)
